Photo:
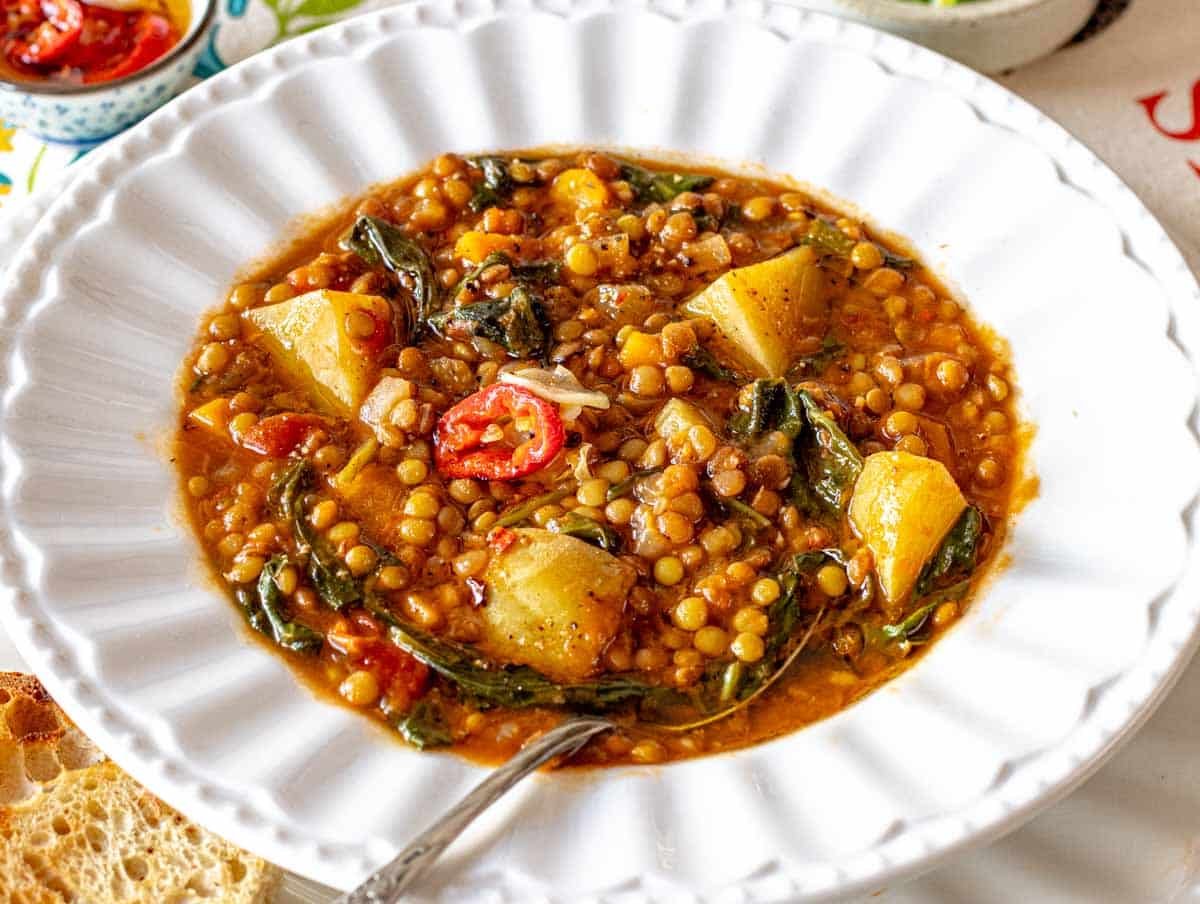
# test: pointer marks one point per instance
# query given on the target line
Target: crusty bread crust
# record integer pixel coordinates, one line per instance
(75, 829)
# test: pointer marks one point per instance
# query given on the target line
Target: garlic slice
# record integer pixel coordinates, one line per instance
(558, 385)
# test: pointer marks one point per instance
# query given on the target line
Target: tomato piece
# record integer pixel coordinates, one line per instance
(466, 443)
(152, 36)
(278, 436)
(107, 34)
(409, 677)
(501, 538)
(378, 340)
(58, 32)
(404, 677)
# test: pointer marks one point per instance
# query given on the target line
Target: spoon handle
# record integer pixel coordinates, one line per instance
(389, 882)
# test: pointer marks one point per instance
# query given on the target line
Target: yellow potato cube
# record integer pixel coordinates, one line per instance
(902, 508)
(762, 310)
(554, 603)
(307, 336)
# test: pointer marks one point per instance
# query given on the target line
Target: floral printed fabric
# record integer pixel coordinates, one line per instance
(243, 27)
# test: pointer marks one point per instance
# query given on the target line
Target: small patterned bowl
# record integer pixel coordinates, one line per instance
(85, 115)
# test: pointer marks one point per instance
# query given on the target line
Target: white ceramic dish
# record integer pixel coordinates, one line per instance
(1066, 653)
(988, 35)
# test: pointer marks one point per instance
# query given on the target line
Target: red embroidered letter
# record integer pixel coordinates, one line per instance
(1151, 106)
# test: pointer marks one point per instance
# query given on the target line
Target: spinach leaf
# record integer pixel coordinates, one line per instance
(703, 361)
(379, 243)
(649, 186)
(573, 524)
(773, 406)
(517, 687)
(541, 273)
(496, 186)
(906, 631)
(626, 486)
(816, 363)
(424, 726)
(328, 574)
(906, 628)
(283, 495)
(955, 556)
(264, 610)
(517, 323)
(897, 261)
(525, 510)
(784, 613)
(953, 562)
(738, 508)
(727, 687)
(826, 237)
(807, 562)
(830, 461)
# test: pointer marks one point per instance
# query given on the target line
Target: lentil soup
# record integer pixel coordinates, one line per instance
(522, 435)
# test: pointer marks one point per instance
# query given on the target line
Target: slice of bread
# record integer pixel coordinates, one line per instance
(75, 829)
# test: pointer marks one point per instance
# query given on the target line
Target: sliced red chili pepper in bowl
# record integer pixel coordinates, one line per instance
(152, 37)
(472, 439)
(47, 42)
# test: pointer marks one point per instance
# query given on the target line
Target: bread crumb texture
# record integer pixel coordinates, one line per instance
(75, 829)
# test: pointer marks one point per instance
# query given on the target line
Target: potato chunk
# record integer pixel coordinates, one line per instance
(554, 603)
(677, 416)
(674, 421)
(308, 337)
(903, 506)
(762, 310)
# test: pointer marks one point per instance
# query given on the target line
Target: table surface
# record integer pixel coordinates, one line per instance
(1132, 832)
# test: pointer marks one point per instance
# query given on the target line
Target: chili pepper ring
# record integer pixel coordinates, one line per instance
(464, 447)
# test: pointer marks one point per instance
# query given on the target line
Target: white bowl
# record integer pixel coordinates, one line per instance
(988, 35)
(84, 115)
(1067, 651)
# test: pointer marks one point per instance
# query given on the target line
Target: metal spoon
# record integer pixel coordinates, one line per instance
(389, 882)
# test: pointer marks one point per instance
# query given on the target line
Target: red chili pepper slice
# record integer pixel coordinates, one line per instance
(278, 435)
(107, 34)
(463, 448)
(57, 33)
(152, 37)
